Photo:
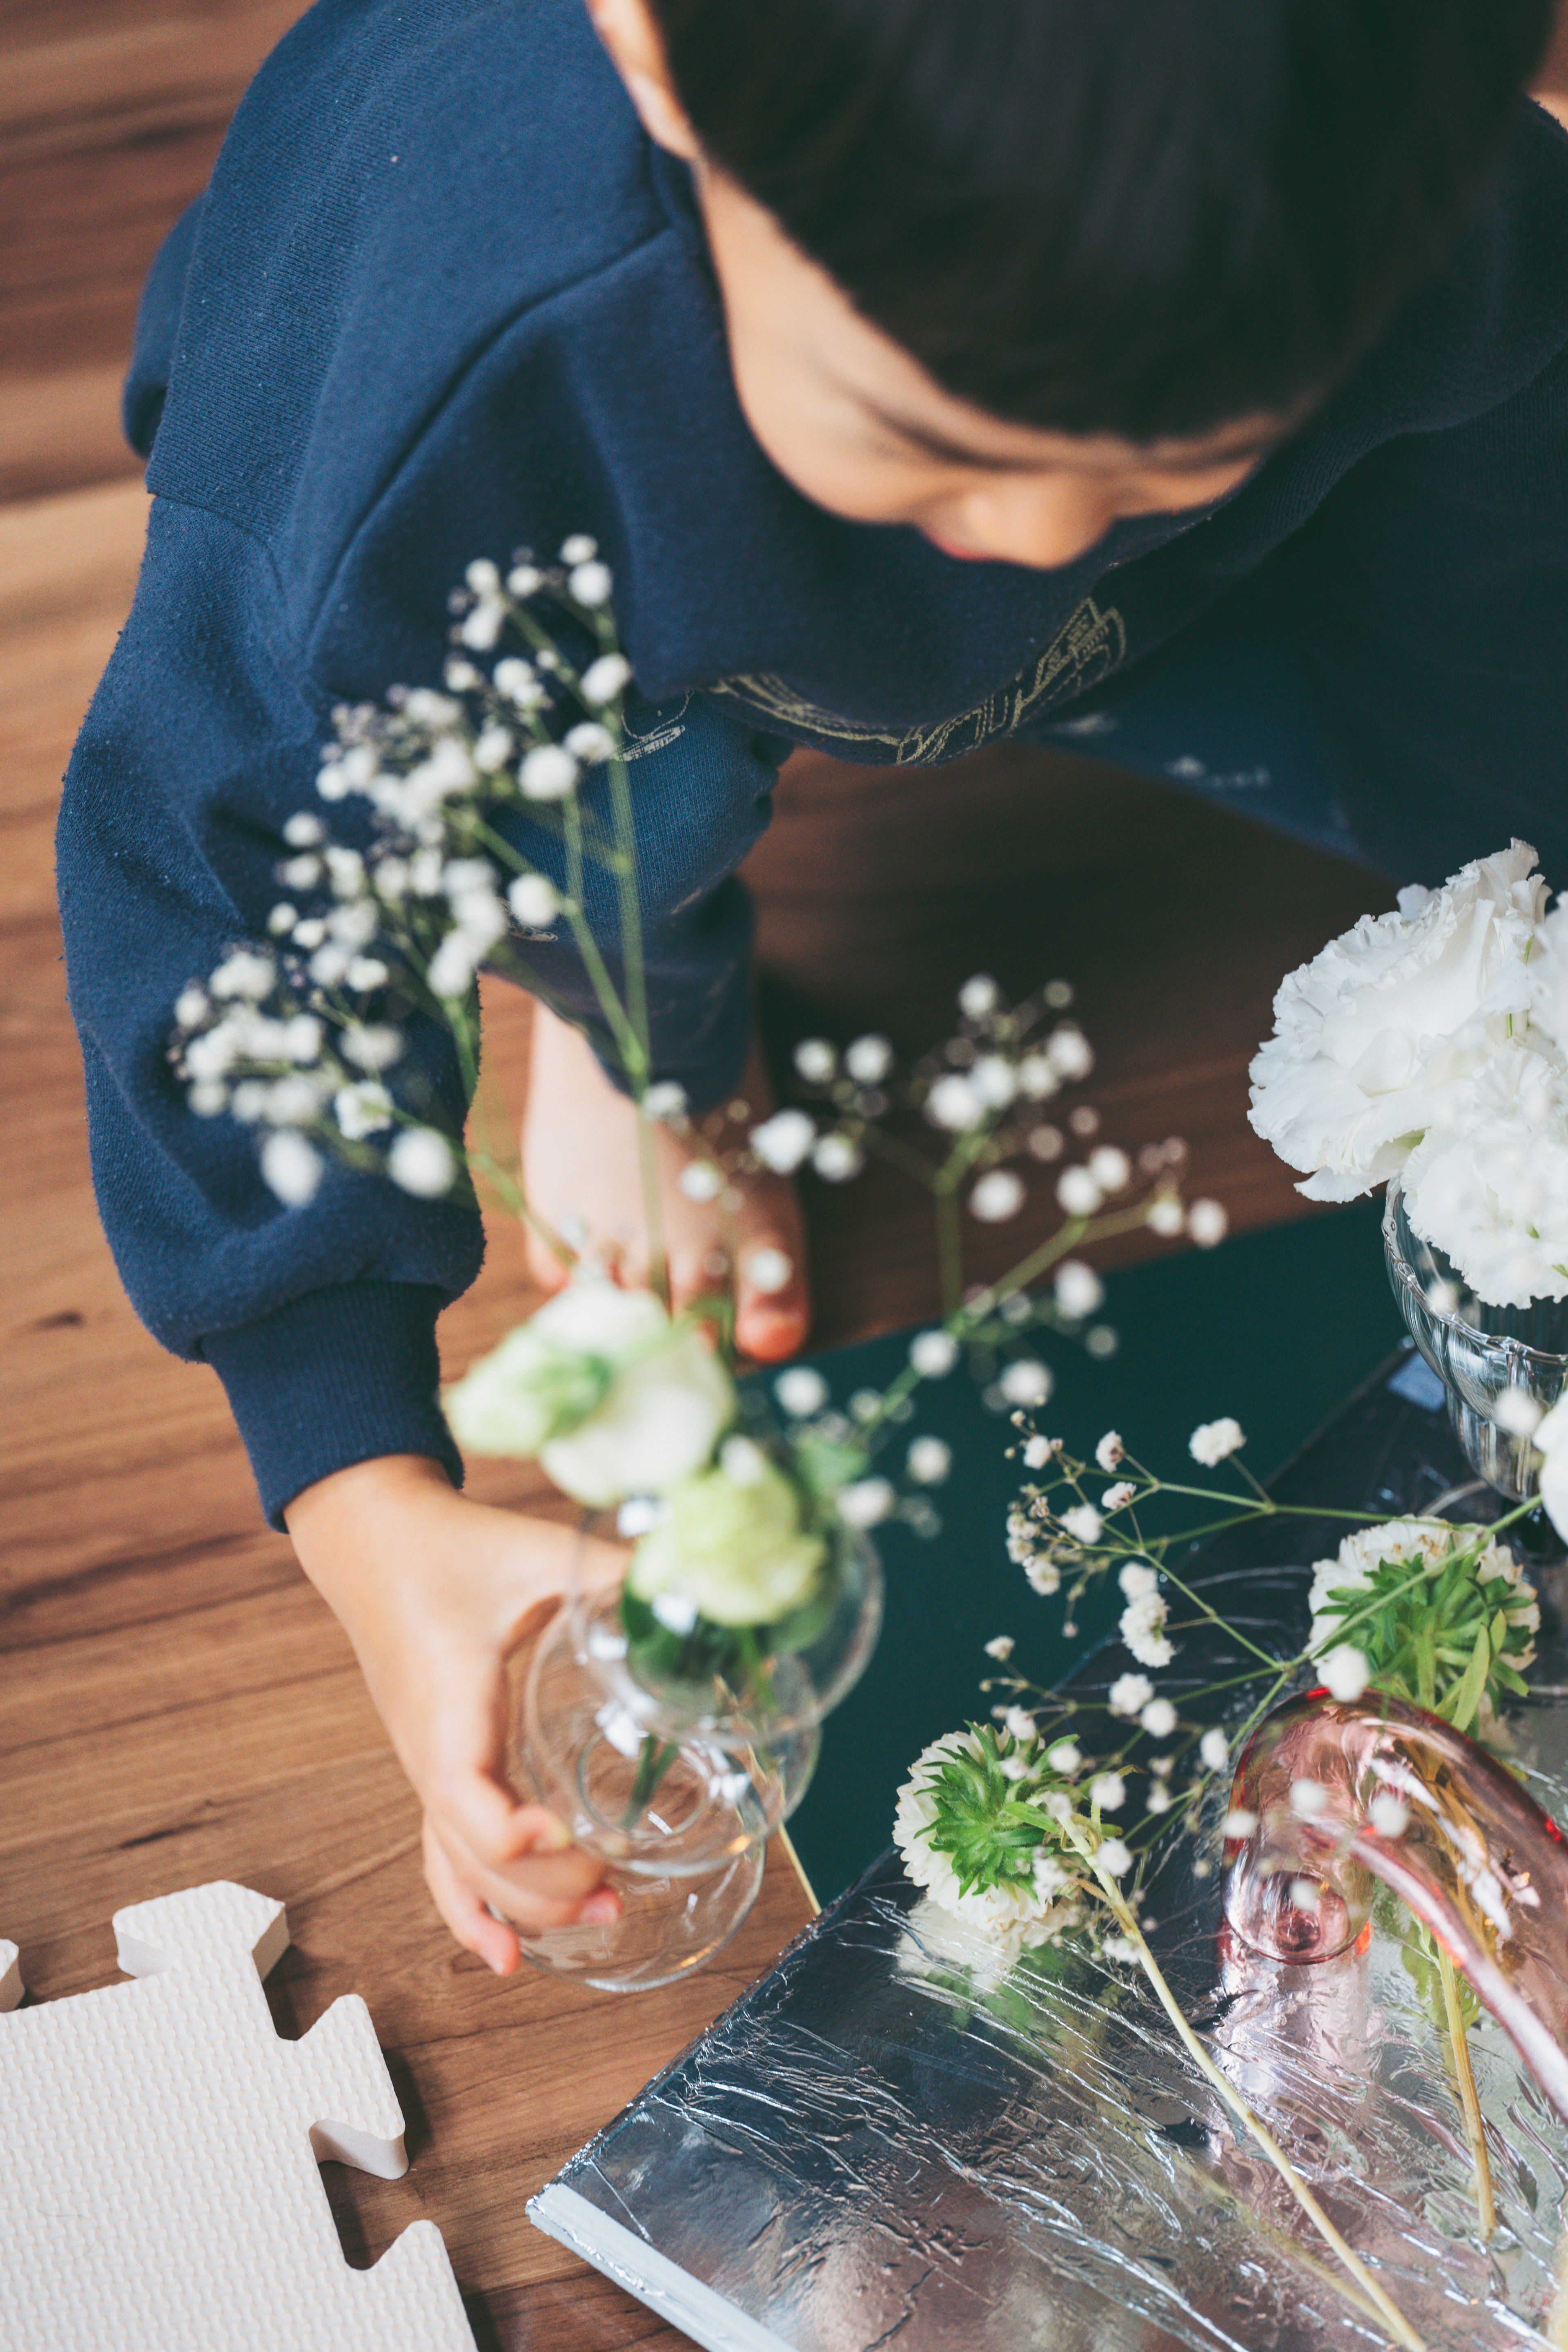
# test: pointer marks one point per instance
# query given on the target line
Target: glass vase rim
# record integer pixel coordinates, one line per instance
(1517, 1350)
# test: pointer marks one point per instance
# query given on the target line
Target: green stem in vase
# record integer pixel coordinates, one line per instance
(654, 1761)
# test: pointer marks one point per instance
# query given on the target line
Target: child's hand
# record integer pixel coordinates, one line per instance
(434, 1591)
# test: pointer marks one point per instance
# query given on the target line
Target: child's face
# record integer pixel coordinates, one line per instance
(859, 427)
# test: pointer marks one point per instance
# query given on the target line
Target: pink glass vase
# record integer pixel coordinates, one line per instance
(1476, 1859)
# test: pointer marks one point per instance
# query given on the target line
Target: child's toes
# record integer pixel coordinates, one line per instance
(773, 1313)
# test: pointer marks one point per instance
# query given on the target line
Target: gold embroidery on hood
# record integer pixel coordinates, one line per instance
(1087, 650)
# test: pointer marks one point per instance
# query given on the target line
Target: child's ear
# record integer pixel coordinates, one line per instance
(628, 31)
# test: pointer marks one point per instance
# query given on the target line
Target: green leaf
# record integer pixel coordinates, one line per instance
(1465, 1704)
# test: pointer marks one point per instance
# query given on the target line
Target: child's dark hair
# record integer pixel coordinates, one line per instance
(1144, 218)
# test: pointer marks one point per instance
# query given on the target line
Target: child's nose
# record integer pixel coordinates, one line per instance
(1043, 521)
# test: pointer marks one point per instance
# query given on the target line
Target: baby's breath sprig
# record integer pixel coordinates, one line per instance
(1003, 1831)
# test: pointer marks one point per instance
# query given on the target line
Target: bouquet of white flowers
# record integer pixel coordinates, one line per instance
(748, 1599)
(1431, 1044)
(1429, 1048)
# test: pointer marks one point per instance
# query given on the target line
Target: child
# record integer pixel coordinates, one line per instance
(1185, 380)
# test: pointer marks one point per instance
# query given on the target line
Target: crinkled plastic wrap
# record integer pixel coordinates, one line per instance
(889, 2141)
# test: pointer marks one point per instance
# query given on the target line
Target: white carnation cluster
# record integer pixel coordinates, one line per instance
(1431, 1042)
(297, 1038)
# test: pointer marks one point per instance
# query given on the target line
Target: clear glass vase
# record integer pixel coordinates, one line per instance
(675, 1780)
(1500, 1366)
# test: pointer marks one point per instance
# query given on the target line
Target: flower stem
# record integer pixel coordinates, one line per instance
(1458, 2043)
(653, 1762)
(1388, 2311)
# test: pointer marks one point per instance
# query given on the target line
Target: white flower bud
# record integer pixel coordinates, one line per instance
(865, 1503)
(534, 900)
(579, 548)
(934, 1354)
(1109, 1168)
(979, 996)
(837, 1158)
(1214, 1441)
(549, 773)
(374, 1046)
(605, 679)
(422, 1162)
(481, 628)
(1137, 1579)
(191, 1006)
(291, 1167)
(494, 749)
(1077, 1192)
(700, 1181)
(783, 1141)
(1109, 1791)
(1080, 1290)
(208, 1098)
(1025, 1382)
(1309, 1799)
(524, 581)
(1388, 1815)
(590, 743)
(1158, 1719)
(304, 830)
(1129, 1694)
(816, 1060)
(767, 1270)
(1083, 1523)
(998, 1195)
(590, 583)
(1037, 1078)
(1165, 1215)
(801, 1391)
(515, 680)
(930, 1461)
(1214, 1750)
(362, 1109)
(243, 974)
(665, 1098)
(954, 1104)
(867, 1059)
(1346, 1671)
(483, 577)
(1207, 1224)
(1069, 1051)
(994, 1080)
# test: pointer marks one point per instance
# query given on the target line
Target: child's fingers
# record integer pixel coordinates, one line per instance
(474, 1927)
(555, 1890)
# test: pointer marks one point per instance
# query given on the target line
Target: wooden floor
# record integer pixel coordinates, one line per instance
(174, 1703)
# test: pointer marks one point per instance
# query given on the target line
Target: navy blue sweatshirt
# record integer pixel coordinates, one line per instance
(441, 300)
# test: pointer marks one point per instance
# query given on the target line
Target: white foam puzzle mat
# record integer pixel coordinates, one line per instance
(159, 2147)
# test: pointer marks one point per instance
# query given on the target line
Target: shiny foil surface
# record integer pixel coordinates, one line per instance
(890, 2142)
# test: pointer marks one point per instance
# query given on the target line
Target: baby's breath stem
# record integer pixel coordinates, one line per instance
(1458, 2042)
(1388, 2310)
(950, 1252)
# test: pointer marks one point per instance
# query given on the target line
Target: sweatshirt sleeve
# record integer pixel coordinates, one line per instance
(202, 738)
(1428, 602)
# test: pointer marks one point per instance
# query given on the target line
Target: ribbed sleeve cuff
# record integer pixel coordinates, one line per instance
(336, 1377)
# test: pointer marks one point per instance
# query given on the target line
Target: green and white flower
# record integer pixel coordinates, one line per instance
(604, 1389)
(730, 1548)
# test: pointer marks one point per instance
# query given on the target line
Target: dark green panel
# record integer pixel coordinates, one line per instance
(1275, 1327)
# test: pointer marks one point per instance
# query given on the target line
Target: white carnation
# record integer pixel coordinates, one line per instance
(1489, 1183)
(1376, 1033)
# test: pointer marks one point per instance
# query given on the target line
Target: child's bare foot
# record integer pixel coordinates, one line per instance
(581, 1173)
